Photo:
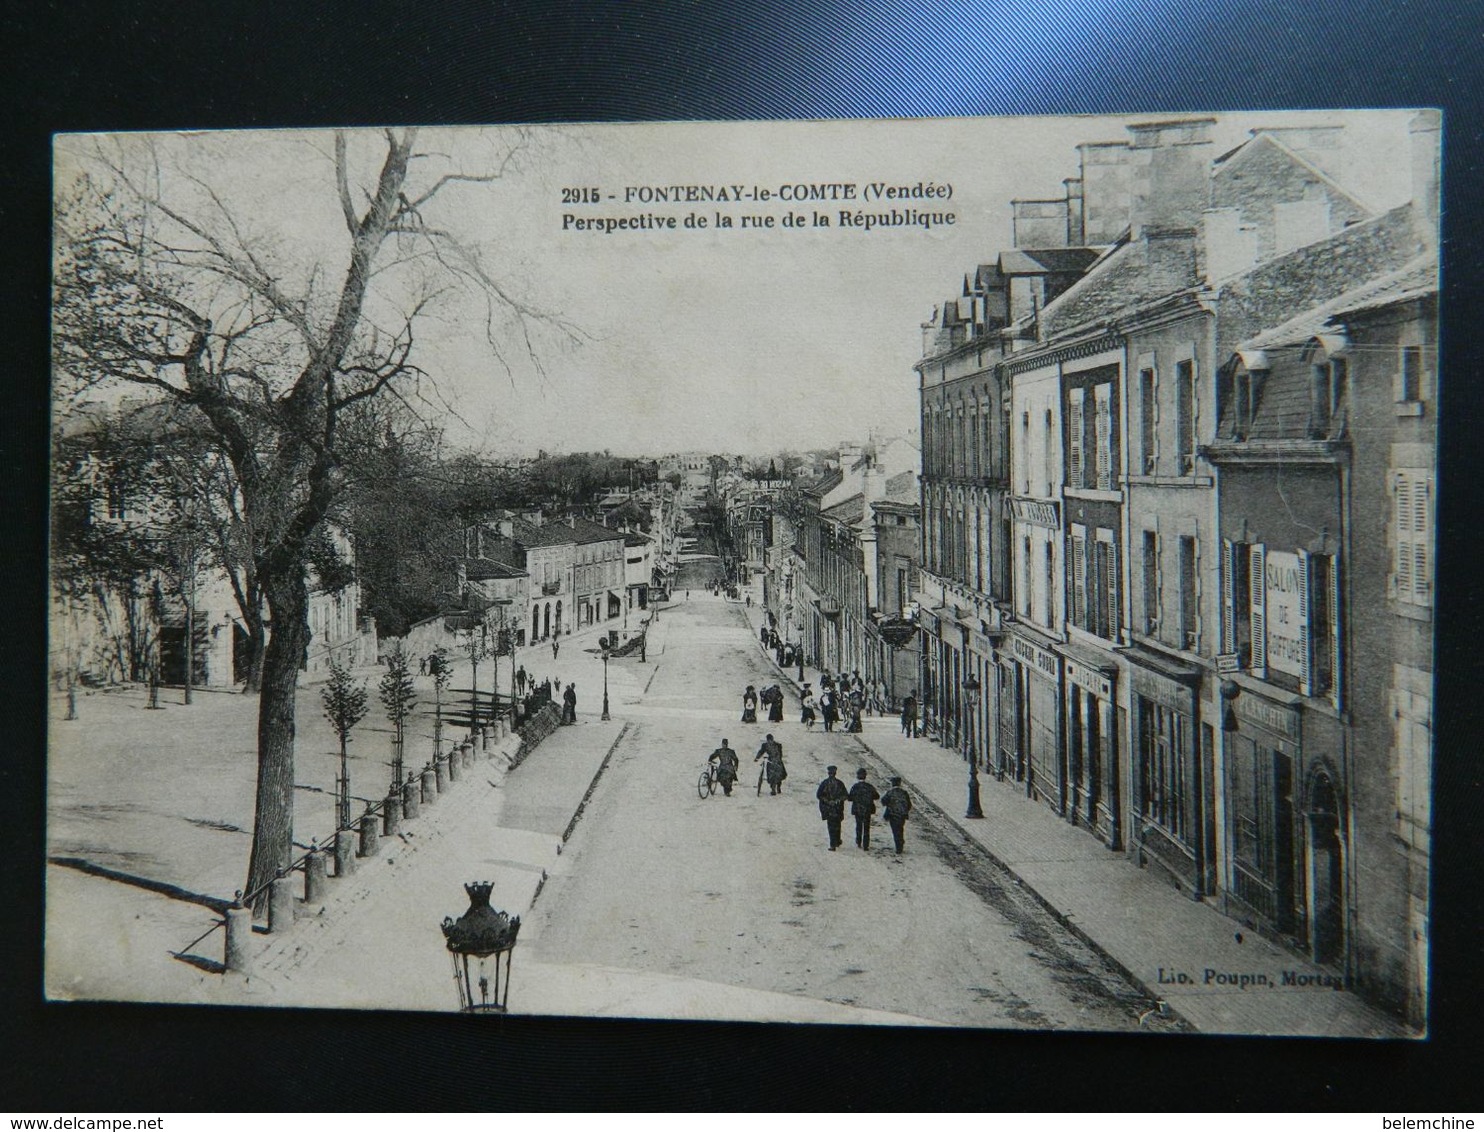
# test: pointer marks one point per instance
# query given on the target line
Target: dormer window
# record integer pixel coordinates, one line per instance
(1328, 386)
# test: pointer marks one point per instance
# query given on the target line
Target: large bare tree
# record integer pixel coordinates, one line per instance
(170, 276)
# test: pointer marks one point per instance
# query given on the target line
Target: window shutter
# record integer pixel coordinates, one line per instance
(1228, 596)
(1258, 589)
(1074, 436)
(1102, 402)
(1421, 527)
(1334, 631)
(1079, 578)
(1111, 580)
(1306, 636)
(1403, 531)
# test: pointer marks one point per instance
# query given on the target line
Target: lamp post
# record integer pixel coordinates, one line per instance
(478, 941)
(971, 700)
(603, 646)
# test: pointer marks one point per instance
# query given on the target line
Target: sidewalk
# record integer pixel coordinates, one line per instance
(1142, 923)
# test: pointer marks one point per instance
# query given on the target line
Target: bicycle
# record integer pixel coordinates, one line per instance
(706, 784)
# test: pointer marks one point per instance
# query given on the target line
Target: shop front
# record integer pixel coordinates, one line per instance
(1170, 775)
(1030, 695)
(1092, 729)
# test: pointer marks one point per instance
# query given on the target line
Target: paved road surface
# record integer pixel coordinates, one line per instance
(742, 890)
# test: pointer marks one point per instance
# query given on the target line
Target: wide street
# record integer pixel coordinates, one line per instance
(741, 890)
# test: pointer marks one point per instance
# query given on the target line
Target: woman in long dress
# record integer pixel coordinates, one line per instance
(775, 704)
(749, 705)
(806, 714)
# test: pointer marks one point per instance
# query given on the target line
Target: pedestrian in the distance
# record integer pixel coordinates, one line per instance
(862, 805)
(569, 704)
(828, 709)
(520, 680)
(832, 795)
(806, 711)
(749, 705)
(555, 647)
(898, 804)
(422, 666)
(775, 704)
(909, 716)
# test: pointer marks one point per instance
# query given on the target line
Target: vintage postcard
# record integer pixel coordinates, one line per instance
(969, 573)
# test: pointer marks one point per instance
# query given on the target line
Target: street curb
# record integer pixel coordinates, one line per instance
(593, 785)
(1020, 882)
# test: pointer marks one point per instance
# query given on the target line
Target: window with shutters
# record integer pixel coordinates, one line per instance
(1236, 601)
(1323, 611)
(1412, 743)
(1185, 415)
(1189, 615)
(974, 441)
(1103, 436)
(1025, 452)
(1048, 602)
(1025, 578)
(1412, 536)
(1149, 620)
(1076, 410)
(1327, 391)
(1077, 568)
(1105, 582)
(1049, 453)
(1257, 608)
(1148, 422)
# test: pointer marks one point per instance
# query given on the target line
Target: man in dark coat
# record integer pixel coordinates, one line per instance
(725, 760)
(909, 717)
(773, 769)
(862, 805)
(898, 804)
(775, 703)
(832, 795)
(569, 704)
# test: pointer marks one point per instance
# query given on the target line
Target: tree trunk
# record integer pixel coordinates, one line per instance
(273, 824)
(257, 638)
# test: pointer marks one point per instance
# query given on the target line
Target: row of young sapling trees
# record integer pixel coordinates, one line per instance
(346, 701)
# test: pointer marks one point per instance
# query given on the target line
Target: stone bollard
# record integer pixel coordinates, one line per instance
(280, 904)
(368, 834)
(411, 793)
(430, 785)
(484, 738)
(239, 937)
(440, 774)
(345, 853)
(315, 870)
(456, 762)
(391, 812)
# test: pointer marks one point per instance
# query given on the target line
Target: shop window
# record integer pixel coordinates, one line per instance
(1162, 742)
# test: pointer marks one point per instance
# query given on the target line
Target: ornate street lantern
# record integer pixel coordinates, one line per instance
(971, 700)
(480, 942)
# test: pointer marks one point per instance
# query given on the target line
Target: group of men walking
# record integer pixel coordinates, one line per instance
(831, 793)
(862, 796)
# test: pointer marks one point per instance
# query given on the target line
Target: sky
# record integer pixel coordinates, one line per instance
(652, 340)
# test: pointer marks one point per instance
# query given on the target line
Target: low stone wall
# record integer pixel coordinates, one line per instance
(542, 723)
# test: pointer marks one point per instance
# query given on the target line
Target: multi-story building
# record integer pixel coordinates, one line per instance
(1215, 440)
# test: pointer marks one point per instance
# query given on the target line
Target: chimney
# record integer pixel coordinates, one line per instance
(1073, 187)
(1426, 135)
(1039, 223)
(1105, 190)
(1230, 245)
(1170, 174)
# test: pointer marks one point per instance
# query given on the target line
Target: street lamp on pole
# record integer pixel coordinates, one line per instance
(971, 701)
(604, 646)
